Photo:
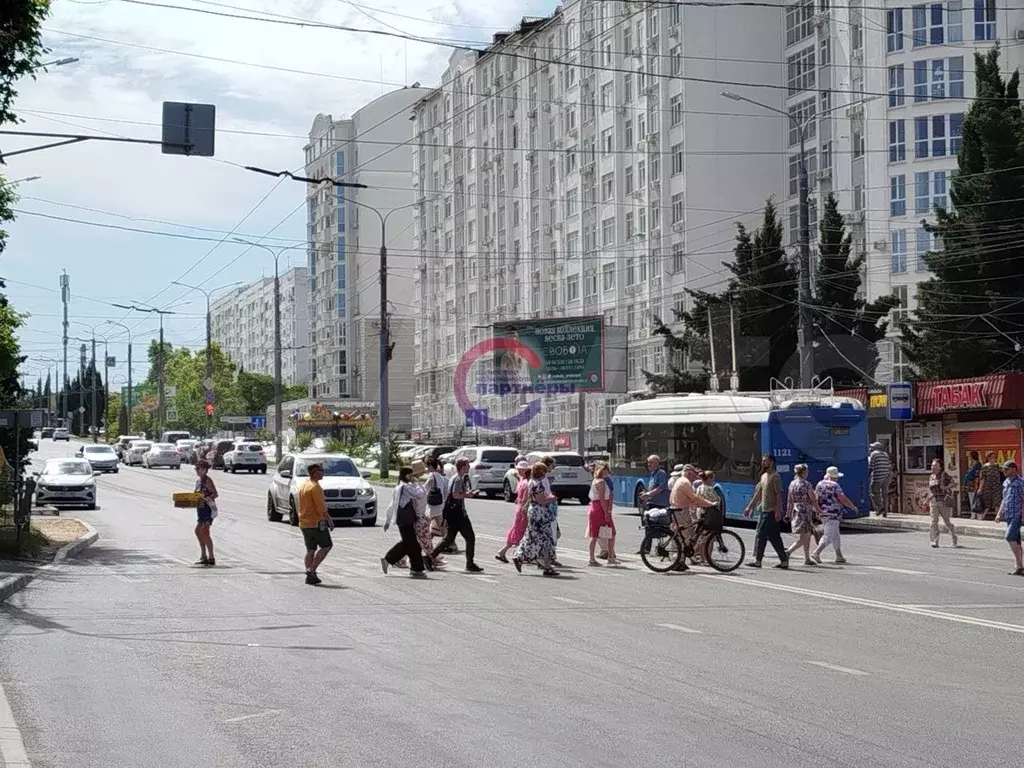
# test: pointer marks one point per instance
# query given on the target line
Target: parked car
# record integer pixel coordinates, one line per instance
(173, 436)
(61, 433)
(570, 480)
(66, 483)
(136, 449)
(349, 496)
(487, 466)
(162, 455)
(102, 458)
(215, 455)
(123, 441)
(246, 456)
(46, 433)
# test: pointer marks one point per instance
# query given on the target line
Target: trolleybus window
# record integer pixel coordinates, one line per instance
(733, 451)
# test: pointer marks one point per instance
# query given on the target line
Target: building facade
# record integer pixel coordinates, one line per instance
(344, 231)
(242, 324)
(570, 171)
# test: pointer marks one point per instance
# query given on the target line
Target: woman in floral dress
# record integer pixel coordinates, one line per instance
(518, 529)
(990, 485)
(801, 508)
(538, 545)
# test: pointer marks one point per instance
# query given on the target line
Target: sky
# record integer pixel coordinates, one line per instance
(134, 55)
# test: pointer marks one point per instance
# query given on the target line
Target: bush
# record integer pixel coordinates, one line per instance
(303, 440)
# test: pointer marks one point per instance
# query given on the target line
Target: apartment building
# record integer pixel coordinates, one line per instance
(573, 169)
(242, 324)
(344, 231)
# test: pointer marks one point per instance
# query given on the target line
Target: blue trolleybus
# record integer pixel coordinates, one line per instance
(730, 432)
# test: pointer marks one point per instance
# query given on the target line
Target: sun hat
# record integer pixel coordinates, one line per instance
(522, 464)
(833, 473)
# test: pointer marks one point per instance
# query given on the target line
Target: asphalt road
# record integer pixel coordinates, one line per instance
(130, 656)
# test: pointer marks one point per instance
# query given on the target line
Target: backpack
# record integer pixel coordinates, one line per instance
(406, 512)
(434, 496)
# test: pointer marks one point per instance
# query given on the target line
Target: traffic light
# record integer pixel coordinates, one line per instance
(209, 409)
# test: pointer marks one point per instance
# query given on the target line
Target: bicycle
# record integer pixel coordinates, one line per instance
(663, 548)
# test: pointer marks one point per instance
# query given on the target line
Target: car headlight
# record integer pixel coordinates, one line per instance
(367, 491)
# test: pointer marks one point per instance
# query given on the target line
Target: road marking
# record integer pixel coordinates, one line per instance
(684, 630)
(568, 600)
(12, 748)
(894, 607)
(904, 571)
(835, 668)
(253, 717)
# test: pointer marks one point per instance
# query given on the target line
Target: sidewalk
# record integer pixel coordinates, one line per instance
(964, 526)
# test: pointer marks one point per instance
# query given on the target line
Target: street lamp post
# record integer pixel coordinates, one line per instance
(159, 358)
(208, 382)
(128, 404)
(805, 334)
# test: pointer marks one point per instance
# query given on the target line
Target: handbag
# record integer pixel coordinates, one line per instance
(604, 532)
(434, 496)
(406, 512)
(213, 508)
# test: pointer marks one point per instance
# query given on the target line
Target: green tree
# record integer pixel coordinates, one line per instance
(847, 327)
(186, 372)
(968, 315)
(153, 354)
(761, 297)
(295, 392)
(256, 391)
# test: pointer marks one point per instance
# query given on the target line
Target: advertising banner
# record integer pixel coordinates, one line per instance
(564, 352)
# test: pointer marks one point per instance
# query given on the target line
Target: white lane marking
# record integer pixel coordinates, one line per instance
(684, 630)
(253, 717)
(968, 606)
(894, 607)
(568, 600)
(12, 748)
(904, 571)
(836, 668)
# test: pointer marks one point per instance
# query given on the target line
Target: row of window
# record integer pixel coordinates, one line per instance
(939, 23)
(931, 191)
(933, 79)
(924, 241)
(934, 136)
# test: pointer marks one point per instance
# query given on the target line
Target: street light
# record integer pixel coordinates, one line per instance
(160, 357)
(208, 382)
(128, 404)
(16, 182)
(55, 63)
(805, 332)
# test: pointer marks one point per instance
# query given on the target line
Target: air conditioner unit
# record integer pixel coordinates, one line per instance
(674, 32)
(546, 107)
(857, 56)
(547, 229)
(511, 114)
(559, 225)
(881, 245)
(635, 52)
(485, 203)
(1019, 34)
(654, 186)
(622, 108)
(678, 227)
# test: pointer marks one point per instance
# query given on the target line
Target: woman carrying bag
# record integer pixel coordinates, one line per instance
(407, 505)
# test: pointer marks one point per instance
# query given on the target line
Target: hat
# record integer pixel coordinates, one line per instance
(522, 464)
(688, 468)
(1010, 464)
(418, 467)
(678, 468)
(833, 472)
(876, 446)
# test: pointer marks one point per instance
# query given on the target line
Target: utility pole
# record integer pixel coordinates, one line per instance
(734, 379)
(160, 380)
(385, 357)
(805, 334)
(106, 385)
(82, 351)
(95, 426)
(713, 383)
(65, 297)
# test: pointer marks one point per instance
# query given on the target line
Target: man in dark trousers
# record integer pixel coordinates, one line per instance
(456, 517)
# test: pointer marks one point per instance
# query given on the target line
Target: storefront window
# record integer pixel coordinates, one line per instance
(923, 444)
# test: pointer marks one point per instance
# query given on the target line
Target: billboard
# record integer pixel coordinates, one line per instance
(564, 352)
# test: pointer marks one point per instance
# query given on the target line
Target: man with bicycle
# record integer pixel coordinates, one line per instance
(684, 503)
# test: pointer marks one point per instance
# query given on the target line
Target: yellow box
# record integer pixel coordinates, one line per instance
(187, 500)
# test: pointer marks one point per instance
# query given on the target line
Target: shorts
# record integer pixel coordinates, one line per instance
(1013, 529)
(204, 516)
(317, 537)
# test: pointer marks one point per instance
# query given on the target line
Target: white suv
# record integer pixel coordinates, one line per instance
(246, 456)
(487, 466)
(570, 480)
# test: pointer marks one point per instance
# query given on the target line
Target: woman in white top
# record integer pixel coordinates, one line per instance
(407, 505)
(601, 526)
(436, 489)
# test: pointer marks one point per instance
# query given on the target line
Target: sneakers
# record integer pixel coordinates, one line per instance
(312, 578)
(418, 574)
(473, 568)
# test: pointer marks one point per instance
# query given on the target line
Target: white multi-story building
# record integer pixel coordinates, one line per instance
(569, 171)
(242, 324)
(373, 148)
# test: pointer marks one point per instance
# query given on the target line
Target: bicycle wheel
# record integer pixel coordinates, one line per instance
(661, 551)
(724, 551)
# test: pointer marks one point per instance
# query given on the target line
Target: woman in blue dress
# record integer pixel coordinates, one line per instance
(538, 545)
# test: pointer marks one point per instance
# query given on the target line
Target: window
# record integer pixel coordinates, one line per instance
(898, 247)
(802, 114)
(678, 259)
(606, 96)
(938, 136)
(572, 202)
(956, 131)
(607, 141)
(678, 209)
(897, 94)
(572, 288)
(897, 141)
(572, 245)
(925, 242)
(628, 134)
(794, 169)
(984, 20)
(922, 193)
(676, 56)
(928, 24)
(678, 305)
(629, 226)
(608, 277)
(628, 88)
(934, 136)
(590, 283)
(629, 179)
(920, 137)
(939, 79)
(898, 195)
(675, 105)
(799, 24)
(940, 197)
(677, 159)
(608, 231)
(800, 71)
(894, 30)
(608, 186)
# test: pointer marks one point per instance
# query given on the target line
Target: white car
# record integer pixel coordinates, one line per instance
(348, 495)
(570, 480)
(67, 483)
(487, 466)
(103, 458)
(186, 448)
(61, 433)
(162, 455)
(249, 457)
(135, 451)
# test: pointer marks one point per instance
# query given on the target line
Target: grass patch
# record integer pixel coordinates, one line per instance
(31, 545)
(391, 480)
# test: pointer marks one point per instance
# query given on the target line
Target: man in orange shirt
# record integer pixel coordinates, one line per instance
(315, 522)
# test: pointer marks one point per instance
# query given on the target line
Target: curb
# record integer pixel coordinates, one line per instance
(886, 524)
(13, 584)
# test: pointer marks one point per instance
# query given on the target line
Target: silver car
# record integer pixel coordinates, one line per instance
(67, 483)
(347, 493)
(135, 451)
(487, 466)
(102, 458)
(162, 455)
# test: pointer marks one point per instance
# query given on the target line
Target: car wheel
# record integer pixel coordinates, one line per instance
(272, 514)
(263, 470)
(507, 492)
(116, 470)
(370, 522)
(584, 501)
(293, 515)
(234, 469)
(91, 507)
